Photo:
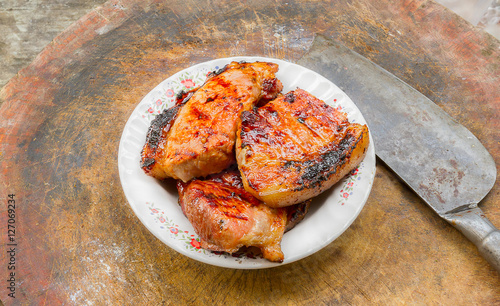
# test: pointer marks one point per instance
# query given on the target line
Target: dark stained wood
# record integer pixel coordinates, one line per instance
(61, 119)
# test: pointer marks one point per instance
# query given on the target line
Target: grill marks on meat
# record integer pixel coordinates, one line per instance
(158, 130)
(295, 147)
(197, 137)
(226, 217)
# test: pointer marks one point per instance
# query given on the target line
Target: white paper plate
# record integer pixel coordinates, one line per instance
(155, 203)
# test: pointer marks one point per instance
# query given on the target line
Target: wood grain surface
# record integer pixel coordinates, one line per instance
(28, 26)
(61, 118)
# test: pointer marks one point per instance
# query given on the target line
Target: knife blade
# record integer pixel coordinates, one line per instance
(435, 156)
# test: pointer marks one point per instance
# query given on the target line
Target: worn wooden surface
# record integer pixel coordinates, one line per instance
(61, 120)
(27, 26)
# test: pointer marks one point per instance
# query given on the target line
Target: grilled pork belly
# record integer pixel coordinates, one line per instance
(295, 147)
(196, 137)
(226, 217)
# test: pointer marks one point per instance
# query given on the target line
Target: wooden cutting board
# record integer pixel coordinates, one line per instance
(76, 239)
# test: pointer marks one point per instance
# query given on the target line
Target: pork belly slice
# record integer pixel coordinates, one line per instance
(196, 137)
(227, 218)
(296, 147)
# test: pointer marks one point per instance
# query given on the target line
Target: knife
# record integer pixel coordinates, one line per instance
(437, 157)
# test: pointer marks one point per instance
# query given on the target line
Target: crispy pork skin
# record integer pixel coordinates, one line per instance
(196, 138)
(226, 217)
(295, 147)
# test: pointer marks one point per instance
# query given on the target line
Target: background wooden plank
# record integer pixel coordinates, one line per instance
(28, 26)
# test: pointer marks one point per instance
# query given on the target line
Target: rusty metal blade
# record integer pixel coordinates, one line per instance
(442, 161)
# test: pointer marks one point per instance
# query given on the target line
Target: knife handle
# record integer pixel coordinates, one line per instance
(478, 229)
